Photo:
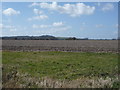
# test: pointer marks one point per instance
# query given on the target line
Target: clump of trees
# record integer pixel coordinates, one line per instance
(71, 38)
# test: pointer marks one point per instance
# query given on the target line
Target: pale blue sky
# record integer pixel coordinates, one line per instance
(91, 20)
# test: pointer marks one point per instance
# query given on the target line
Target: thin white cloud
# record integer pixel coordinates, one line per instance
(40, 26)
(99, 26)
(58, 24)
(1, 26)
(37, 11)
(82, 26)
(98, 4)
(33, 4)
(51, 28)
(40, 17)
(10, 11)
(54, 30)
(0, 11)
(117, 26)
(55, 24)
(13, 30)
(8, 27)
(83, 23)
(73, 10)
(115, 32)
(60, 28)
(108, 7)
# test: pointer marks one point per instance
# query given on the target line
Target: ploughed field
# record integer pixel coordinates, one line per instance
(61, 45)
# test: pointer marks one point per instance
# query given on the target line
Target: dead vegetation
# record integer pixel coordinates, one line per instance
(15, 79)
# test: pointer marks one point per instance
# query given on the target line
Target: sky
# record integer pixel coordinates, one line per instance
(95, 20)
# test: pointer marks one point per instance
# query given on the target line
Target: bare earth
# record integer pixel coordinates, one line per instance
(61, 45)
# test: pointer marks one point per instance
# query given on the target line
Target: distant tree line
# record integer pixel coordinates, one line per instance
(47, 37)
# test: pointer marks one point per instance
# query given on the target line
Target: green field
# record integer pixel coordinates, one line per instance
(63, 66)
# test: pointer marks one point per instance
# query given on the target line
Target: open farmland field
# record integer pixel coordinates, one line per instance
(61, 45)
(43, 64)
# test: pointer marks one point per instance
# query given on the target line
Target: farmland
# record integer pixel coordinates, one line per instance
(60, 64)
(61, 45)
